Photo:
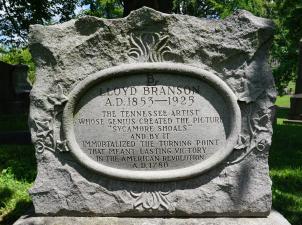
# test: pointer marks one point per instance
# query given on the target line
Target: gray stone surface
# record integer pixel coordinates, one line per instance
(185, 125)
(233, 50)
(273, 219)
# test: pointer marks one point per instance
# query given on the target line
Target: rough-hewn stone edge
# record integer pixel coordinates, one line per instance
(93, 21)
(274, 218)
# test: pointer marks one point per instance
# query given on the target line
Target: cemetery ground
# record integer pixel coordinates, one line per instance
(18, 169)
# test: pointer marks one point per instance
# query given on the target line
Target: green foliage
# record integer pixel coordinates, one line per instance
(199, 8)
(288, 19)
(227, 7)
(13, 196)
(104, 8)
(17, 15)
(19, 56)
(220, 8)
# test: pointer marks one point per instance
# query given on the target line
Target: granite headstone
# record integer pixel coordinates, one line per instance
(153, 115)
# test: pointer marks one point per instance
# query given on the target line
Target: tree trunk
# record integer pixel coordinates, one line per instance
(164, 6)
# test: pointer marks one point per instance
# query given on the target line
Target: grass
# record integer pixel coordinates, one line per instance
(285, 170)
(14, 181)
(13, 122)
(283, 101)
(14, 197)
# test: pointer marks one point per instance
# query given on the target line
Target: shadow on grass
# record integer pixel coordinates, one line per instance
(13, 122)
(289, 183)
(286, 172)
(286, 149)
(5, 195)
(282, 113)
(287, 205)
(22, 207)
(20, 159)
(20, 162)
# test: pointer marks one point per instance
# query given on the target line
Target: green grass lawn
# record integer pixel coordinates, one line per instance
(286, 168)
(283, 101)
(18, 170)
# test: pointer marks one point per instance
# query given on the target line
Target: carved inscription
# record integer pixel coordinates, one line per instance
(151, 122)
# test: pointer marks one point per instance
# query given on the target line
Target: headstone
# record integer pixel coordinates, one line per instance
(14, 88)
(6, 83)
(21, 84)
(153, 115)
(296, 99)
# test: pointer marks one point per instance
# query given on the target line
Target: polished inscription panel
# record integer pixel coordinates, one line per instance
(151, 121)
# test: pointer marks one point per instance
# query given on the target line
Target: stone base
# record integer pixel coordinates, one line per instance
(293, 122)
(274, 218)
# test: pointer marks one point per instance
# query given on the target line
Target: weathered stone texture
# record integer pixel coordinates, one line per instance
(234, 49)
(273, 219)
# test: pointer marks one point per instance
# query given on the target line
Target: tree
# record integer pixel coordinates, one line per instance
(198, 8)
(162, 6)
(288, 20)
(17, 15)
(103, 8)
(118, 8)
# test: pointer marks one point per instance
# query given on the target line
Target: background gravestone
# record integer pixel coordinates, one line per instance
(296, 99)
(14, 99)
(14, 88)
(95, 74)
